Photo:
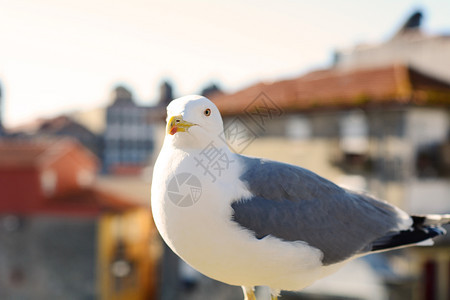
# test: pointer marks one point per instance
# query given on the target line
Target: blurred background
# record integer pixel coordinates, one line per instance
(358, 92)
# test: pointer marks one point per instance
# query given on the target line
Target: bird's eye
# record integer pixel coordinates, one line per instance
(207, 112)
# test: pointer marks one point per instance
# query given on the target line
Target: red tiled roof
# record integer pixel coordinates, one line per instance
(69, 196)
(17, 154)
(26, 152)
(337, 88)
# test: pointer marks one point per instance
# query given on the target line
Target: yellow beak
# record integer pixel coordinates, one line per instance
(177, 124)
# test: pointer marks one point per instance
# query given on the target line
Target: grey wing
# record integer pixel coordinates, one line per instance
(294, 204)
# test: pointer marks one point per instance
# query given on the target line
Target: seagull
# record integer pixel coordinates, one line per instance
(250, 221)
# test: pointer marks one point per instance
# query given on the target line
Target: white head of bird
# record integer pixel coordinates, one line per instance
(193, 122)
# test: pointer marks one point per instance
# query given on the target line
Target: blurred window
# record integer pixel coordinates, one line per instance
(354, 132)
(433, 160)
(354, 142)
(298, 128)
(49, 180)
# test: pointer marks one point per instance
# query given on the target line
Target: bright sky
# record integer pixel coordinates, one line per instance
(57, 56)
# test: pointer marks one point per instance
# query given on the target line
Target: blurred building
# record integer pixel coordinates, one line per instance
(121, 135)
(59, 127)
(409, 45)
(165, 93)
(128, 136)
(65, 126)
(62, 237)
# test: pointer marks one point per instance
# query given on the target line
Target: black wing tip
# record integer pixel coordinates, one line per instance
(409, 237)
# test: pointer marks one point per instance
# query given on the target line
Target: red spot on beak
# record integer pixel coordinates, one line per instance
(173, 130)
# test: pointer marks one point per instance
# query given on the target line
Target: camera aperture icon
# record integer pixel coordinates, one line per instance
(184, 189)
